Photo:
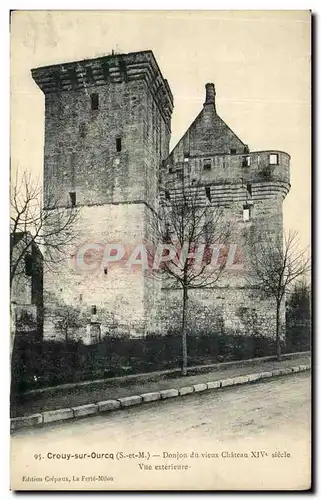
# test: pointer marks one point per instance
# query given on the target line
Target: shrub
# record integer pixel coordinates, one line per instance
(41, 364)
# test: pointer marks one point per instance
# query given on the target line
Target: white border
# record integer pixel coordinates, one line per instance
(313, 5)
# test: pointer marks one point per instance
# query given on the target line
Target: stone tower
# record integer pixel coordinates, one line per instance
(107, 130)
(250, 185)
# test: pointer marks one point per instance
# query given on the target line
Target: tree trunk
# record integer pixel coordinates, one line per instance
(12, 328)
(278, 342)
(184, 334)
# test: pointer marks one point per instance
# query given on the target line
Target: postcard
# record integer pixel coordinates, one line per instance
(160, 250)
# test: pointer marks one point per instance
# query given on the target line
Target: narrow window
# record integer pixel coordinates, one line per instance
(246, 149)
(186, 157)
(246, 213)
(28, 265)
(249, 189)
(82, 130)
(170, 169)
(105, 270)
(94, 101)
(233, 151)
(72, 197)
(208, 193)
(207, 164)
(246, 161)
(273, 159)
(93, 310)
(118, 144)
(167, 196)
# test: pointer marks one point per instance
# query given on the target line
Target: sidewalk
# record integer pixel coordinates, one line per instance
(113, 389)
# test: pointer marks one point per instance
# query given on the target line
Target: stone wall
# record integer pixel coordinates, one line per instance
(220, 310)
(81, 145)
(81, 279)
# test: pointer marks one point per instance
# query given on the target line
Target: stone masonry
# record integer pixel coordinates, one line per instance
(106, 154)
(251, 186)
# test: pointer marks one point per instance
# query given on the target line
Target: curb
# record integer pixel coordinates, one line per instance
(39, 419)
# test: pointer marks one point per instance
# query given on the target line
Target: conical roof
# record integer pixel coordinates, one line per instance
(208, 134)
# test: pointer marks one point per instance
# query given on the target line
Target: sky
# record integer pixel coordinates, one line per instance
(258, 60)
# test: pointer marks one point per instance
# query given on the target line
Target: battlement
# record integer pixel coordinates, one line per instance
(109, 69)
(261, 167)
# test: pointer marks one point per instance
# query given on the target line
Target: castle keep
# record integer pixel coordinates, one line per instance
(106, 153)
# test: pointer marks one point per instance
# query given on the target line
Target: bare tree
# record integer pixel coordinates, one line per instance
(298, 315)
(274, 263)
(194, 233)
(51, 229)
